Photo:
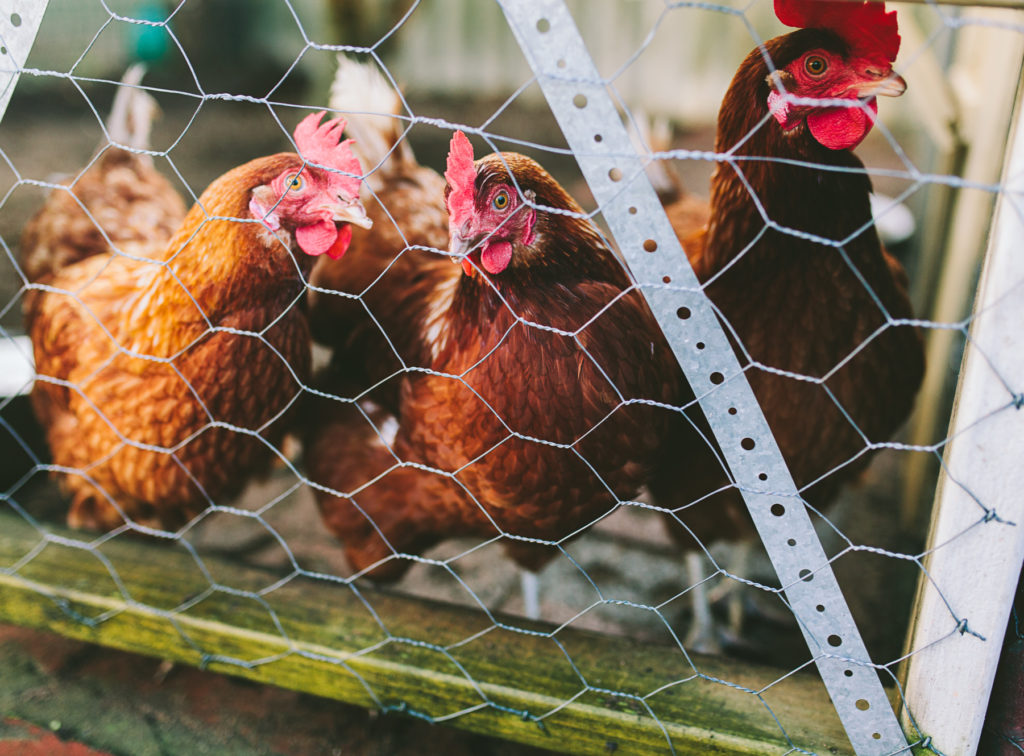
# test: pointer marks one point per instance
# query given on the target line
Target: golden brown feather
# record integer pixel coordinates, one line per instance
(120, 200)
(526, 431)
(364, 305)
(166, 376)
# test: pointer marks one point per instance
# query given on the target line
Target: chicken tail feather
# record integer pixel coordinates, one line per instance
(131, 116)
(100, 209)
(372, 106)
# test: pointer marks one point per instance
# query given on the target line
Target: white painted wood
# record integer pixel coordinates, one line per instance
(975, 560)
(947, 267)
(17, 368)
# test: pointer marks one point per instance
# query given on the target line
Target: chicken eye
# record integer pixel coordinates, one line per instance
(295, 182)
(500, 201)
(815, 65)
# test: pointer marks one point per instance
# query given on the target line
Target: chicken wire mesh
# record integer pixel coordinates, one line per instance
(614, 568)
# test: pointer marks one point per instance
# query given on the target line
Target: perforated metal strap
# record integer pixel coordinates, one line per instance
(19, 23)
(593, 128)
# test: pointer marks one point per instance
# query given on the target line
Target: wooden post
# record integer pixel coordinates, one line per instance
(983, 115)
(976, 543)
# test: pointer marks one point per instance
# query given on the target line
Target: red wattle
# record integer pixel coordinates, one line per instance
(495, 256)
(316, 238)
(340, 246)
(842, 128)
(467, 267)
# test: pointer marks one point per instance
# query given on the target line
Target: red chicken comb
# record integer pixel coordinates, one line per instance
(461, 176)
(865, 26)
(321, 144)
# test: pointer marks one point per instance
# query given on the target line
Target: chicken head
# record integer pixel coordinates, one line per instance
(485, 221)
(318, 201)
(832, 87)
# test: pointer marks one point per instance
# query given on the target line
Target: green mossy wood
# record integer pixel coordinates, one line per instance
(432, 660)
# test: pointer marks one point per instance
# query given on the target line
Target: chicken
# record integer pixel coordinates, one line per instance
(531, 420)
(817, 308)
(166, 370)
(363, 307)
(119, 198)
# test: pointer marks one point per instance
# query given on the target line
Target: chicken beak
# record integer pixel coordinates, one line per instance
(889, 85)
(459, 248)
(352, 213)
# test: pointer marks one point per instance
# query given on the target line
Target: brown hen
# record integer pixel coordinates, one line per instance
(372, 308)
(831, 312)
(166, 370)
(529, 422)
(120, 198)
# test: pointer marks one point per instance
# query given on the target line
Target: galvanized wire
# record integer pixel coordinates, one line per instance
(657, 606)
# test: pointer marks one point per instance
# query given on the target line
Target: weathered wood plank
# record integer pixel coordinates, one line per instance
(432, 660)
(976, 544)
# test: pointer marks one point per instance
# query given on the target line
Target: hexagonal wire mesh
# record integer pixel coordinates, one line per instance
(462, 425)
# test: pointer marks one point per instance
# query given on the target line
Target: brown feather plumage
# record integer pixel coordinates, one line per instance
(795, 305)
(529, 429)
(366, 305)
(120, 199)
(367, 302)
(133, 354)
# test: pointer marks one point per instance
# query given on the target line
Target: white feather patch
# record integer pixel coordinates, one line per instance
(369, 103)
(435, 321)
(388, 430)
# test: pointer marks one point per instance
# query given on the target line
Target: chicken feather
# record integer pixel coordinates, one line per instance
(364, 307)
(120, 199)
(166, 370)
(831, 312)
(534, 417)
